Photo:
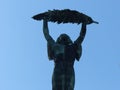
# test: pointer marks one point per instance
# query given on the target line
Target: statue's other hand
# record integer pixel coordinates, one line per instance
(45, 20)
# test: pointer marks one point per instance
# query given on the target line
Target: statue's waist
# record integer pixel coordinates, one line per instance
(64, 68)
(64, 58)
(64, 64)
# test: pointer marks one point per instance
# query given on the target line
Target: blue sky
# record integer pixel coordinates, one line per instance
(23, 54)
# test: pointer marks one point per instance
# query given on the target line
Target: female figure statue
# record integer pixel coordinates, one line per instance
(63, 52)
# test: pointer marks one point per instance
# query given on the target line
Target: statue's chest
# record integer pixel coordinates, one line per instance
(64, 52)
(59, 49)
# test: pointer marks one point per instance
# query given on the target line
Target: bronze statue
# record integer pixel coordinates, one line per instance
(64, 52)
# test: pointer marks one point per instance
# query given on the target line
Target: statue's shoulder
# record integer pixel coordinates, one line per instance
(54, 49)
(58, 49)
(78, 50)
(50, 51)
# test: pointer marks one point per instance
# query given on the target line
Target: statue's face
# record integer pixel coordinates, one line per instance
(64, 39)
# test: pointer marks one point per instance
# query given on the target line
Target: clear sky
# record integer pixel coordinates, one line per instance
(24, 64)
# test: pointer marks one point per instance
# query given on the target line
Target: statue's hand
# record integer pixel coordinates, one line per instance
(84, 24)
(83, 28)
(45, 20)
(45, 23)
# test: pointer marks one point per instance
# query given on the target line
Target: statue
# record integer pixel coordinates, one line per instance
(63, 51)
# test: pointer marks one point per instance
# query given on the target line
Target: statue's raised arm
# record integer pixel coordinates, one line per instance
(82, 35)
(50, 40)
(46, 32)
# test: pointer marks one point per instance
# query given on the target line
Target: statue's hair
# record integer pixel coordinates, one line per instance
(65, 36)
(59, 41)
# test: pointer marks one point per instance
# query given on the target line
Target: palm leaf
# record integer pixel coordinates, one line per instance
(64, 16)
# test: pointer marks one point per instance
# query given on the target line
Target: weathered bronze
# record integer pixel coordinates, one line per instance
(64, 51)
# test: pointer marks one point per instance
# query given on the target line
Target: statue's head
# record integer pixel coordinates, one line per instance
(64, 39)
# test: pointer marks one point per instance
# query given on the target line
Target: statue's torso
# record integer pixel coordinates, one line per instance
(64, 53)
